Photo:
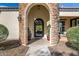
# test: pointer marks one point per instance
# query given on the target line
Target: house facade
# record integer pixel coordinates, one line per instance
(69, 17)
(38, 20)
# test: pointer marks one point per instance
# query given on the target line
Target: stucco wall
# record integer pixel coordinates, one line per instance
(10, 20)
(35, 13)
(69, 13)
(67, 23)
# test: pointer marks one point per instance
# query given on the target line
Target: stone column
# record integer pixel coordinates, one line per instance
(54, 16)
(23, 26)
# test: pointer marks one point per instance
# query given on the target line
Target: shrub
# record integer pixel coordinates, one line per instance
(3, 33)
(73, 37)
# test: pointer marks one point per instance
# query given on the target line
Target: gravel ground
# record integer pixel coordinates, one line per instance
(12, 48)
(61, 49)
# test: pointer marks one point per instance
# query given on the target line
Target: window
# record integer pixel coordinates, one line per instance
(74, 22)
(61, 26)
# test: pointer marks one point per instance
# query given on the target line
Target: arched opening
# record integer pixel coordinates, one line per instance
(47, 12)
(38, 13)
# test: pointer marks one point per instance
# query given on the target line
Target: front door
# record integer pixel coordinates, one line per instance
(38, 28)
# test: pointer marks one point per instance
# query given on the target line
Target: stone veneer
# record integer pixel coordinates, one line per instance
(23, 24)
(54, 18)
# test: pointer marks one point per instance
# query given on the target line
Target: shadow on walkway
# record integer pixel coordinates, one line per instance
(34, 40)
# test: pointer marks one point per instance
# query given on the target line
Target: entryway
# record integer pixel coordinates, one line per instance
(29, 13)
(38, 30)
(38, 17)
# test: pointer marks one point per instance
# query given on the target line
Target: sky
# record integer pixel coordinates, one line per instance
(61, 5)
(69, 5)
(9, 5)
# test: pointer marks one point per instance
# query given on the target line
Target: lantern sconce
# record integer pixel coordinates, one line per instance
(0, 11)
(19, 17)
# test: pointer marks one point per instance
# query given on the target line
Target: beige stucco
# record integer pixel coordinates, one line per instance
(35, 13)
(67, 23)
(69, 14)
(10, 20)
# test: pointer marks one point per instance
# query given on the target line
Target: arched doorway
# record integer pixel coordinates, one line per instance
(27, 17)
(38, 17)
(38, 28)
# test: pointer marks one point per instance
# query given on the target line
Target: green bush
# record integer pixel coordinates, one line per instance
(3, 33)
(73, 37)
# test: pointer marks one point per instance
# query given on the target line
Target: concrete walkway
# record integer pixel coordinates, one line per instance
(37, 45)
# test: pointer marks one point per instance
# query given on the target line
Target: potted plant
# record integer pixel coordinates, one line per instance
(48, 34)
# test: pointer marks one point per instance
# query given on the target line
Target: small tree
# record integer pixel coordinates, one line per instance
(3, 33)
